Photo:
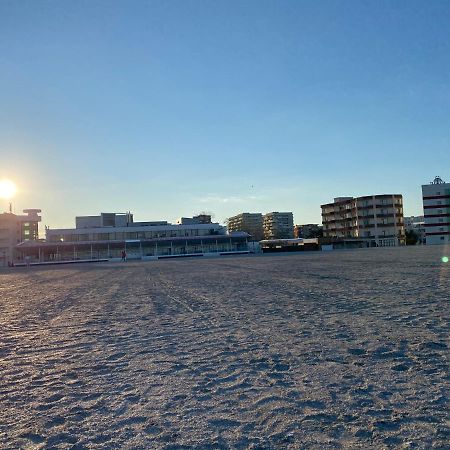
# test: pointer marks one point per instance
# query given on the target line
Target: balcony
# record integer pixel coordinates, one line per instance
(369, 216)
(387, 205)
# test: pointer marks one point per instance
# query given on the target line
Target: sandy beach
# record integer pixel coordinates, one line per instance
(346, 349)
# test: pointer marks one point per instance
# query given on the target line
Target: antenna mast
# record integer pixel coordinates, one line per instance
(437, 180)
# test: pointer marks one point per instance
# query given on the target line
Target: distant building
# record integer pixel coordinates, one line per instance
(417, 225)
(436, 207)
(308, 231)
(104, 220)
(103, 240)
(251, 223)
(278, 225)
(377, 219)
(15, 229)
(201, 218)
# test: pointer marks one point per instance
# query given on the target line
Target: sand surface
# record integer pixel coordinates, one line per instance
(317, 350)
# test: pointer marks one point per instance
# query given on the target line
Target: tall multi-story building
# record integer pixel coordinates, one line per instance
(436, 207)
(15, 229)
(251, 223)
(278, 225)
(378, 219)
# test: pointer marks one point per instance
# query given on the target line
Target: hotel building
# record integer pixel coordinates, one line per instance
(251, 223)
(436, 208)
(278, 225)
(376, 219)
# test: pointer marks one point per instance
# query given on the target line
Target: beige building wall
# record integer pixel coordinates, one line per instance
(15, 229)
(10, 235)
(251, 223)
(377, 218)
(278, 225)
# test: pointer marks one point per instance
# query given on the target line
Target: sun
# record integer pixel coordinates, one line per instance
(7, 189)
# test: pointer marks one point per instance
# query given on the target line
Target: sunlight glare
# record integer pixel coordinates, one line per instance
(7, 189)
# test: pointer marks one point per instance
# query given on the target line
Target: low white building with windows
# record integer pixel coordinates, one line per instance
(108, 235)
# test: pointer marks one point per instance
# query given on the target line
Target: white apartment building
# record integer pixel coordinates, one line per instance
(436, 208)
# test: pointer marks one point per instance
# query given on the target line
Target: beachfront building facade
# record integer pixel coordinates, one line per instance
(251, 223)
(139, 240)
(436, 208)
(376, 219)
(15, 229)
(278, 225)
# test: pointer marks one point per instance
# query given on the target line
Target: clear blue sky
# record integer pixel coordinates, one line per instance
(169, 108)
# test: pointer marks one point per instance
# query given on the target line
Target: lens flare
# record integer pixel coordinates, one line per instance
(7, 189)
(445, 259)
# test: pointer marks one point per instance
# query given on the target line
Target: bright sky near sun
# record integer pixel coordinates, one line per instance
(7, 189)
(169, 108)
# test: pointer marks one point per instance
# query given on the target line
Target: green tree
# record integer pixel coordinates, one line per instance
(411, 237)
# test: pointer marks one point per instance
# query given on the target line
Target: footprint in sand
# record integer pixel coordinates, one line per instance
(55, 421)
(224, 423)
(152, 429)
(116, 356)
(33, 437)
(400, 367)
(357, 351)
(61, 438)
